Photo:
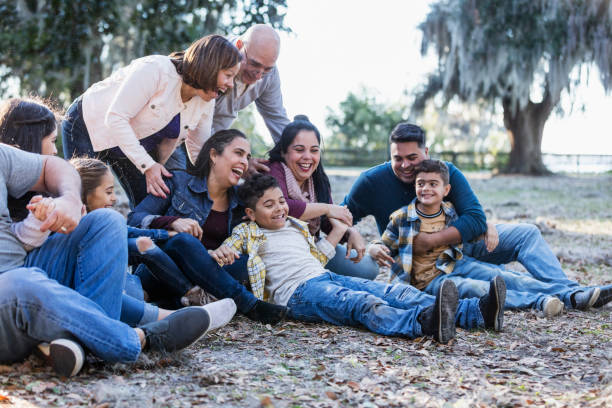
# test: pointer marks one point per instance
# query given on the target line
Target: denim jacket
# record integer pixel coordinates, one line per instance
(188, 198)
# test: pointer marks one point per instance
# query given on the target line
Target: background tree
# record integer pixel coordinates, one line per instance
(517, 52)
(362, 122)
(59, 48)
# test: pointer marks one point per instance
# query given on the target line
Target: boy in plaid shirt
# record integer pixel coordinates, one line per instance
(286, 267)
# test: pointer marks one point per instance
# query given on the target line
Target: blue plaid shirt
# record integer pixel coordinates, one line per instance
(404, 224)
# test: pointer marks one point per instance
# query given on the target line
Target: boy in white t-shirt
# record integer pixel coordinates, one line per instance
(286, 267)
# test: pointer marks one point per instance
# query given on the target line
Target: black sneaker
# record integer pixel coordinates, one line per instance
(267, 313)
(64, 355)
(439, 320)
(177, 331)
(605, 296)
(492, 304)
(586, 298)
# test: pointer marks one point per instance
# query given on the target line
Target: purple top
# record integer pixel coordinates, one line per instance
(296, 207)
(214, 230)
(150, 143)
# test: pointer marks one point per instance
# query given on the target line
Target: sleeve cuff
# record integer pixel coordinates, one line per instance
(326, 248)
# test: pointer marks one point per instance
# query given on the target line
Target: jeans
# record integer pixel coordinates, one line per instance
(522, 243)
(195, 262)
(35, 309)
(76, 142)
(472, 278)
(170, 280)
(178, 159)
(388, 309)
(92, 259)
(367, 268)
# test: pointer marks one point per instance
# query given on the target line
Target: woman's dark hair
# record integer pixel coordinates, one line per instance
(202, 61)
(319, 177)
(24, 123)
(218, 142)
(91, 172)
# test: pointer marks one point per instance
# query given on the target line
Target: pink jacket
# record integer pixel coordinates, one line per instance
(139, 100)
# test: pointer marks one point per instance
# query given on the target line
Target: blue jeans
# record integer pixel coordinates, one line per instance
(388, 309)
(35, 309)
(178, 159)
(367, 268)
(92, 259)
(472, 278)
(76, 142)
(522, 243)
(193, 259)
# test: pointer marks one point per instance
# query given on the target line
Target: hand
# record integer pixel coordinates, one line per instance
(341, 213)
(189, 226)
(172, 233)
(338, 226)
(491, 237)
(381, 254)
(257, 166)
(356, 242)
(422, 243)
(41, 207)
(224, 255)
(64, 216)
(155, 182)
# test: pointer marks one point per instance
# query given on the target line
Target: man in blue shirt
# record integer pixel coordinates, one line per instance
(389, 186)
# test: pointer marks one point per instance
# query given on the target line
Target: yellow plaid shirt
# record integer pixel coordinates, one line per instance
(247, 238)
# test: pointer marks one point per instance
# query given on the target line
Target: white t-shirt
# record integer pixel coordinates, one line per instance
(19, 171)
(289, 263)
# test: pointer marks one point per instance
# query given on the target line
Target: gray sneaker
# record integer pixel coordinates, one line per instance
(584, 299)
(64, 355)
(177, 331)
(552, 306)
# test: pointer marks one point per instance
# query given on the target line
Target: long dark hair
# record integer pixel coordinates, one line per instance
(202, 61)
(319, 177)
(218, 142)
(24, 123)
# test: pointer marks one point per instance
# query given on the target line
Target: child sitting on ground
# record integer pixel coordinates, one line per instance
(286, 268)
(429, 213)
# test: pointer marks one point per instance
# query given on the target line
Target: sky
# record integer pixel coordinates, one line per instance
(339, 46)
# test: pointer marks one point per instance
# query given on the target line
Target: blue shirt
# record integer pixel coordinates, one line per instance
(379, 192)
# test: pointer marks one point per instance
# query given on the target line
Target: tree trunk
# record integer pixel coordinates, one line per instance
(526, 126)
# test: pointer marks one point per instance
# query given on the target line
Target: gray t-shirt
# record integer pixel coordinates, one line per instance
(289, 263)
(19, 171)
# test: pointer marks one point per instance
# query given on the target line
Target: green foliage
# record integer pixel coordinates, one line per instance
(59, 47)
(515, 50)
(362, 122)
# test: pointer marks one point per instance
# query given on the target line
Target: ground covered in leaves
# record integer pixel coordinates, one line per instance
(560, 362)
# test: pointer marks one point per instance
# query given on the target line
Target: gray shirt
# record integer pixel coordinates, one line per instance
(268, 99)
(288, 260)
(19, 171)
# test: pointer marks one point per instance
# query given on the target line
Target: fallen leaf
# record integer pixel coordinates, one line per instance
(353, 385)
(266, 401)
(331, 395)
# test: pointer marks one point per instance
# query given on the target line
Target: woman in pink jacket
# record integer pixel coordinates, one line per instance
(134, 119)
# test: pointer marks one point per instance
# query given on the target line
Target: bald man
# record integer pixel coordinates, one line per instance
(258, 81)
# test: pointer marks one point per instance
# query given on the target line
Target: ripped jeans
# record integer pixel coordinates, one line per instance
(388, 309)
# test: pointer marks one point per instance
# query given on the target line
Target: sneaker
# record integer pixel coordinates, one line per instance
(220, 313)
(197, 296)
(64, 355)
(552, 306)
(179, 330)
(439, 320)
(492, 304)
(605, 296)
(584, 299)
(267, 313)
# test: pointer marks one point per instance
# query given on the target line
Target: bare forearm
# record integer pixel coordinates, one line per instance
(314, 210)
(59, 179)
(448, 236)
(335, 235)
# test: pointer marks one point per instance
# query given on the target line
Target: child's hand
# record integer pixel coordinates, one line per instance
(356, 242)
(381, 254)
(491, 237)
(340, 213)
(224, 255)
(41, 207)
(189, 226)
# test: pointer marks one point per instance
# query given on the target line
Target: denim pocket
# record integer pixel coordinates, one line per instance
(185, 209)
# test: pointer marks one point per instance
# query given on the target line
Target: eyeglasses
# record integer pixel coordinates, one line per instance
(258, 65)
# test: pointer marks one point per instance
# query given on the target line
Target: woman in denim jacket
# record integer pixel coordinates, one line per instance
(134, 119)
(203, 204)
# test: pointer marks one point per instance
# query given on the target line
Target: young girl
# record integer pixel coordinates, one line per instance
(161, 278)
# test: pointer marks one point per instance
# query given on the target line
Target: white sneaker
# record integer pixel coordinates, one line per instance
(220, 313)
(552, 307)
(65, 356)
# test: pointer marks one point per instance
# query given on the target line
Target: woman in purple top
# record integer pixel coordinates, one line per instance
(295, 161)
